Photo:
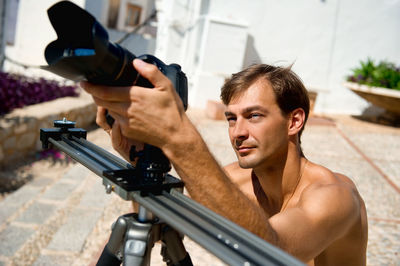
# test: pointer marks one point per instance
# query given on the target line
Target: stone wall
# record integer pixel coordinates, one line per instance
(19, 130)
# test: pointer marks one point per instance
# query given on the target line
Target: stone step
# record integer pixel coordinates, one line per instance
(48, 222)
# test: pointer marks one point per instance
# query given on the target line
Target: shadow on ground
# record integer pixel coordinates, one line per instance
(19, 172)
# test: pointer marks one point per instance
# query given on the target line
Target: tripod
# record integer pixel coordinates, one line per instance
(133, 236)
(164, 213)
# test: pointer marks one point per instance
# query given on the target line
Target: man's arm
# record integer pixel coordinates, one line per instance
(207, 183)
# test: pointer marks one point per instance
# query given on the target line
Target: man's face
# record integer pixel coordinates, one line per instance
(257, 128)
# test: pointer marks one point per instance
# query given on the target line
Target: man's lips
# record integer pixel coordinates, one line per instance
(244, 149)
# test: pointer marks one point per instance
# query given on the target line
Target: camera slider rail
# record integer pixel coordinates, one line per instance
(226, 240)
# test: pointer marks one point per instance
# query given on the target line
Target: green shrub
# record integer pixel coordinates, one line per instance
(384, 74)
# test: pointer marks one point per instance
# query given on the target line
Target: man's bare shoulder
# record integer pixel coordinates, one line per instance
(320, 182)
(235, 172)
(332, 198)
(320, 177)
(241, 177)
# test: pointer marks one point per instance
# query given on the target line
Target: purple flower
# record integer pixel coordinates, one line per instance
(18, 91)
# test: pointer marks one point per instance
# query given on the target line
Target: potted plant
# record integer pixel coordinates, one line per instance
(377, 83)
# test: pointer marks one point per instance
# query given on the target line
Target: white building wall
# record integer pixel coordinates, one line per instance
(176, 24)
(99, 9)
(213, 62)
(323, 39)
(32, 34)
(368, 28)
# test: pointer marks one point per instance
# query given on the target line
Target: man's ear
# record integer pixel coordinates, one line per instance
(296, 121)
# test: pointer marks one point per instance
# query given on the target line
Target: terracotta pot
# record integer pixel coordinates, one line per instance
(312, 95)
(388, 99)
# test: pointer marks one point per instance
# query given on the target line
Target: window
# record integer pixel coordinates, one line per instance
(124, 15)
(132, 17)
(10, 20)
(113, 11)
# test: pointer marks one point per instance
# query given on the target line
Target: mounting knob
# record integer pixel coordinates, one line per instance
(64, 123)
(109, 188)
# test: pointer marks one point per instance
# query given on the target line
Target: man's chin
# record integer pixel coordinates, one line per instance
(246, 164)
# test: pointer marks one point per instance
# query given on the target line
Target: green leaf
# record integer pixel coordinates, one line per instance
(383, 74)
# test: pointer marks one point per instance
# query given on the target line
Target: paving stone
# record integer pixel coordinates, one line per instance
(376, 145)
(326, 141)
(16, 200)
(383, 243)
(40, 182)
(12, 238)
(72, 235)
(37, 213)
(95, 196)
(21, 196)
(391, 169)
(6, 211)
(59, 191)
(77, 173)
(54, 260)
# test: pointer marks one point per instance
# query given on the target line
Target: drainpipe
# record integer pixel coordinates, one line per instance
(3, 7)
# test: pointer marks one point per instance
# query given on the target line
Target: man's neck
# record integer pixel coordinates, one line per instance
(279, 179)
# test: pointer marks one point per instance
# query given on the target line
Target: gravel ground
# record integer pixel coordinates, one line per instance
(366, 152)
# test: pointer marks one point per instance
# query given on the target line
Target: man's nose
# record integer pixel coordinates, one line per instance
(240, 131)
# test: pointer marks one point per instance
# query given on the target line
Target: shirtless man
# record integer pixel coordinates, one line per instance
(303, 208)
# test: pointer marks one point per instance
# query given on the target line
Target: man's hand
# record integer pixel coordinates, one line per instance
(120, 143)
(146, 115)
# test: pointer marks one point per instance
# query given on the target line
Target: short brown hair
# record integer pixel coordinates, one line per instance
(290, 92)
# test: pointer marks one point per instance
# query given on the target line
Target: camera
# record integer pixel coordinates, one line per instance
(83, 51)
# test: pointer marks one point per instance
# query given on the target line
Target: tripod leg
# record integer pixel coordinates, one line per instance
(134, 237)
(136, 253)
(108, 258)
(109, 254)
(139, 240)
(173, 250)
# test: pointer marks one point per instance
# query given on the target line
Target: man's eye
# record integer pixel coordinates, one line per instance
(255, 116)
(231, 120)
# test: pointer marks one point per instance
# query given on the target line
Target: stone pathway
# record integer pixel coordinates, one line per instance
(63, 216)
